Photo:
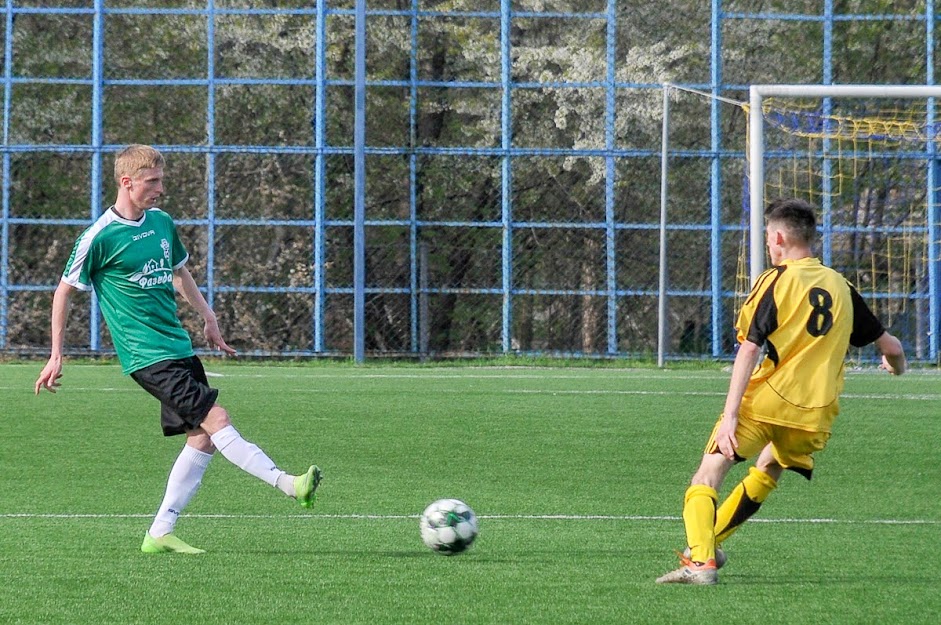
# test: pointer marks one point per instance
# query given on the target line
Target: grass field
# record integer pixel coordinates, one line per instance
(577, 475)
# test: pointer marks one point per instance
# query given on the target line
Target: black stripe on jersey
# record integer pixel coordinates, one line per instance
(772, 353)
(866, 326)
(765, 320)
(773, 272)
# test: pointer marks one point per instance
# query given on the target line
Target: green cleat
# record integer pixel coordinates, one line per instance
(306, 486)
(167, 544)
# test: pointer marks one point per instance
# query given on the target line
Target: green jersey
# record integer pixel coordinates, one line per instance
(130, 265)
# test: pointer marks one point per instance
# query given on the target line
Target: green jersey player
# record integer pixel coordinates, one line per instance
(135, 262)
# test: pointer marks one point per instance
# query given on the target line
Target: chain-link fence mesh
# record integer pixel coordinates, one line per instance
(512, 194)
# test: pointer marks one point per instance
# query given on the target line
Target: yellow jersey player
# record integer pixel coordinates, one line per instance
(794, 332)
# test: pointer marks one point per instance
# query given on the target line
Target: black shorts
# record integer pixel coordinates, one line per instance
(183, 390)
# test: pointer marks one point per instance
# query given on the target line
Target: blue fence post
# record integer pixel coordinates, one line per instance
(826, 208)
(933, 195)
(211, 154)
(5, 232)
(98, 54)
(715, 190)
(610, 173)
(506, 170)
(413, 269)
(359, 189)
(320, 106)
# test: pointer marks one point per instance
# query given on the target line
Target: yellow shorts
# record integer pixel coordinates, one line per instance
(792, 448)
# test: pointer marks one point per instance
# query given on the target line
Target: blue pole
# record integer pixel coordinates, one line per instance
(610, 173)
(359, 190)
(933, 233)
(319, 134)
(413, 179)
(98, 45)
(506, 170)
(933, 198)
(210, 155)
(5, 233)
(826, 207)
(715, 196)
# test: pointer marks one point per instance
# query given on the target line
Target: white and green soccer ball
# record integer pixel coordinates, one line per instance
(448, 526)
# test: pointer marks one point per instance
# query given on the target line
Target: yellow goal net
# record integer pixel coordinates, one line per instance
(869, 164)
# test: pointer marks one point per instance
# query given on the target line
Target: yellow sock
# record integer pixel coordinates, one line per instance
(743, 502)
(699, 516)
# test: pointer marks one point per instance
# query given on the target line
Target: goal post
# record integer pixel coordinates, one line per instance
(848, 145)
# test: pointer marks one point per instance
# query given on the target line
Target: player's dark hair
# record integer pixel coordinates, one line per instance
(798, 216)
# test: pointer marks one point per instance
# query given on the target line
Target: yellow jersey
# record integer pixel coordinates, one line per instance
(805, 316)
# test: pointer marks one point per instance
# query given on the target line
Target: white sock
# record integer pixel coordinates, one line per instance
(185, 478)
(286, 485)
(245, 455)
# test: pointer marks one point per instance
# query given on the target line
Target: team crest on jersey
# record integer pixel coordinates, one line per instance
(165, 246)
(153, 274)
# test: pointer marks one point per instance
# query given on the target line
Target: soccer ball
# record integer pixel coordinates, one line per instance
(448, 526)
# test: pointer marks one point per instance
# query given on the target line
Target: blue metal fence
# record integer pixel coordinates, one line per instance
(509, 153)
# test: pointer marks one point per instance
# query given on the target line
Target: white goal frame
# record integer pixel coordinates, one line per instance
(756, 174)
(757, 253)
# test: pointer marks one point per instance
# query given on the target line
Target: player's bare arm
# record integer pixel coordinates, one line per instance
(893, 354)
(186, 286)
(745, 361)
(49, 377)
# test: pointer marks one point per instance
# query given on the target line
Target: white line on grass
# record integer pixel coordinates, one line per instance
(451, 391)
(889, 396)
(528, 373)
(486, 374)
(498, 517)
